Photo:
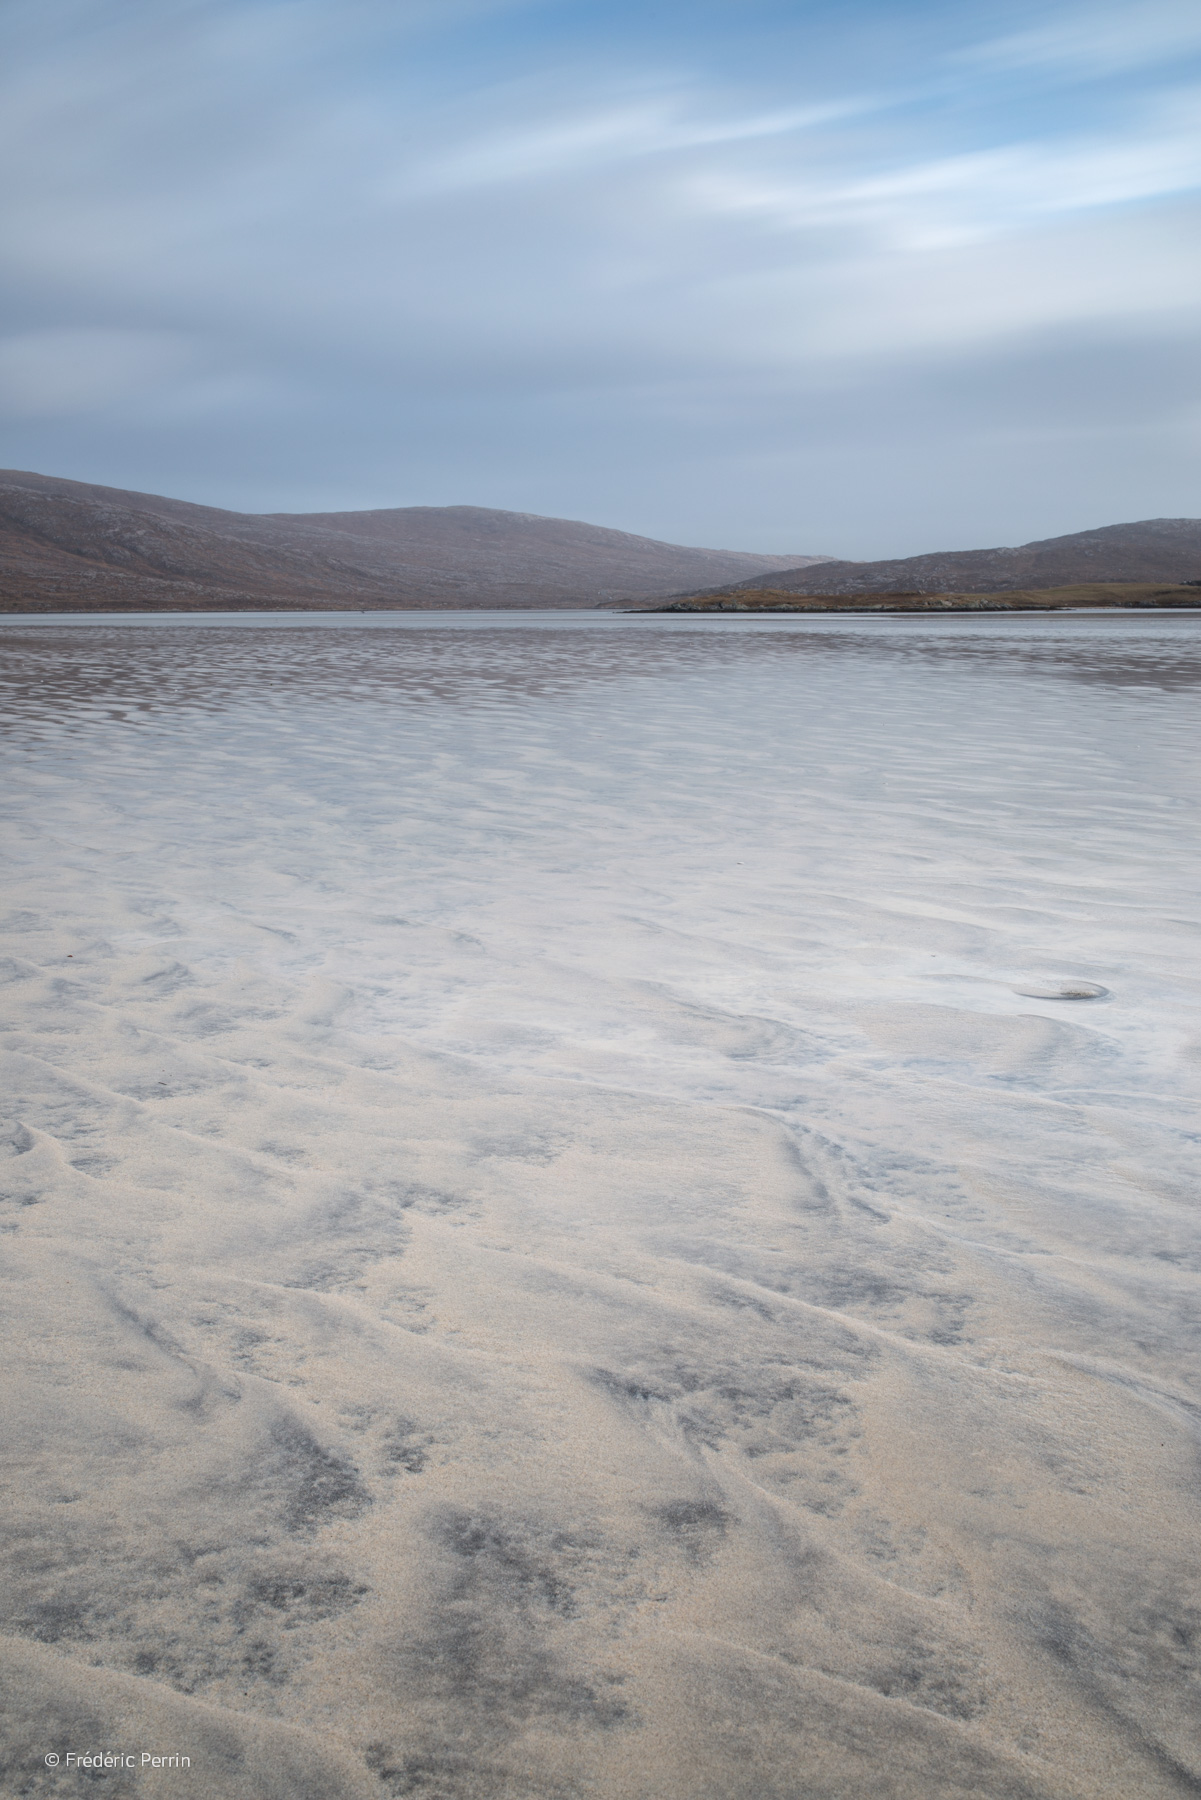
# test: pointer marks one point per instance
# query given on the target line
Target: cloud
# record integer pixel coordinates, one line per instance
(1089, 43)
(292, 250)
(963, 199)
(44, 374)
(588, 140)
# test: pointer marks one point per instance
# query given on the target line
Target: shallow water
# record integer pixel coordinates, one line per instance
(545, 1255)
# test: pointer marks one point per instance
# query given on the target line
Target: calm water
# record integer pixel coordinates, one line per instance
(550, 1258)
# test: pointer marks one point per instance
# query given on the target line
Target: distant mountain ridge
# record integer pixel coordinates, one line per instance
(1167, 550)
(73, 546)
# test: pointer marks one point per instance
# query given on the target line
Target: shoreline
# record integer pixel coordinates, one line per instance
(1081, 597)
(761, 602)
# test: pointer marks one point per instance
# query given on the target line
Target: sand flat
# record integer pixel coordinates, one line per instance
(544, 1254)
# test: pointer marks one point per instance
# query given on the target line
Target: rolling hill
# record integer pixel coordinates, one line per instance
(70, 546)
(1150, 550)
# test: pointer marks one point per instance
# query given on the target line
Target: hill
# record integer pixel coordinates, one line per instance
(1151, 550)
(70, 546)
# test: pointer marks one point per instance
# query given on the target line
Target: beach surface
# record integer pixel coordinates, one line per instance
(558, 1241)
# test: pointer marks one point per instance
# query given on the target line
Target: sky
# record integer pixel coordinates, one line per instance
(840, 277)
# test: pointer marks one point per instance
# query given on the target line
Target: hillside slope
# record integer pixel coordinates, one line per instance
(72, 546)
(1150, 550)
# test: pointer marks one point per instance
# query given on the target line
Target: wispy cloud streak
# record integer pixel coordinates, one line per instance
(286, 254)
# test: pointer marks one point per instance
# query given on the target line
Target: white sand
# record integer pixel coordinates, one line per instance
(544, 1255)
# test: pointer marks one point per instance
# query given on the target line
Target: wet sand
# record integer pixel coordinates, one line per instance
(545, 1254)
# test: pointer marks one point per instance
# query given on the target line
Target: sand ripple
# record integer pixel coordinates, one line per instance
(553, 1244)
